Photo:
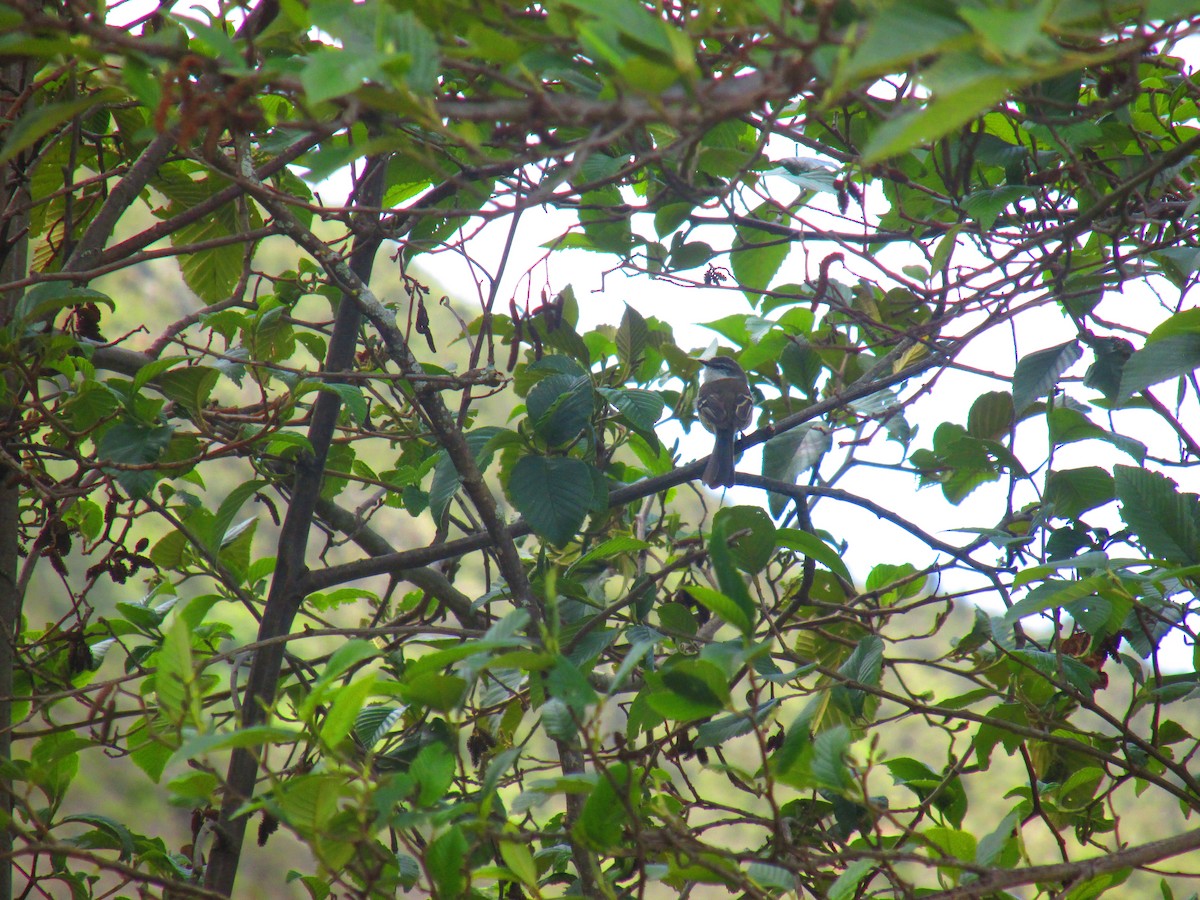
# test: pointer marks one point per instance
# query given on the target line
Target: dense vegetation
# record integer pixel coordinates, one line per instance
(302, 549)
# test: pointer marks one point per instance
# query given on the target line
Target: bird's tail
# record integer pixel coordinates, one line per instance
(719, 471)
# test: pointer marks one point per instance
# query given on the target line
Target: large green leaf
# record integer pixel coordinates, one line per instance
(723, 607)
(1169, 357)
(135, 444)
(694, 688)
(553, 493)
(445, 859)
(608, 807)
(1072, 492)
(561, 407)
(1038, 373)
(1167, 521)
(447, 481)
(812, 546)
(730, 580)
(789, 455)
(752, 536)
(757, 253)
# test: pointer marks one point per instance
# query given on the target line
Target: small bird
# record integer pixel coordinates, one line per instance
(725, 408)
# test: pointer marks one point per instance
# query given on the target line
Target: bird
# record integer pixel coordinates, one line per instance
(725, 407)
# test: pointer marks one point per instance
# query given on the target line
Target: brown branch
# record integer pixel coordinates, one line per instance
(284, 597)
(1061, 873)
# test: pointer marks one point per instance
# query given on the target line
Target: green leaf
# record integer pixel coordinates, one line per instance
(729, 579)
(519, 860)
(433, 769)
(447, 481)
(308, 802)
(219, 528)
(352, 399)
(829, 767)
(991, 415)
(789, 455)
(602, 820)
(753, 536)
(1072, 492)
(567, 683)
(190, 387)
(561, 407)
(175, 675)
(348, 701)
(725, 608)
(121, 836)
(985, 206)
(757, 254)
(1181, 323)
(1170, 357)
(332, 72)
(554, 494)
(1053, 594)
(690, 689)
(863, 666)
(726, 728)
(41, 118)
(346, 657)
(214, 272)
(959, 845)
(445, 858)
(1038, 373)
(896, 35)
(133, 443)
(815, 548)
(54, 762)
(641, 408)
(670, 216)
(846, 886)
(434, 690)
(605, 219)
(558, 720)
(946, 112)
(1167, 521)
(42, 301)
(632, 335)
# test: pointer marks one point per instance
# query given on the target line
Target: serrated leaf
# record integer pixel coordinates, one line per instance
(602, 820)
(175, 674)
(40, 119)
(812, 546)
(943, 114)
(1164, 519)
(757, 254)
(695, 688)
(554, 494)
(561, 407)
(1170, 357)
(1053, 594)
(725, 608)
(447, 481)
(642, 408)
(347, 703)
(729, 579)
(789, 455)
(632, 335)
(445, 858)
(218, 530)
(991, 415)
(753, 536)
(1072, 492)
(1038, 373)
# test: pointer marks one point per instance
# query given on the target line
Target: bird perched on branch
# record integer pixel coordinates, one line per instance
(725, 408)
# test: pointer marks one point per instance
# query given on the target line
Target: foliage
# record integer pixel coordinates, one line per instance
(459, 627)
